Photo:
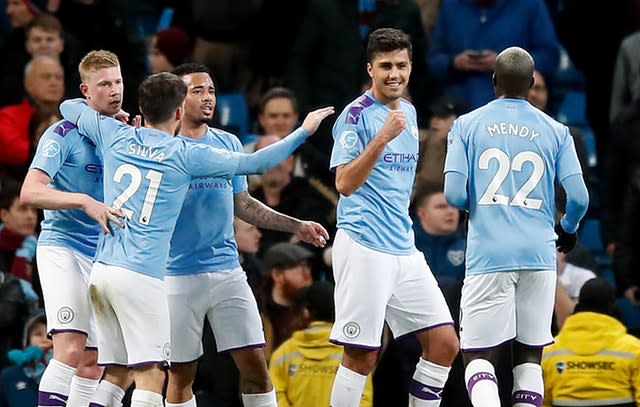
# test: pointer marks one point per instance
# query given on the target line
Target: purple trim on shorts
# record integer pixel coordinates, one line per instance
(185, 363)
(46, 398)
(424, 391)
(61, 331)
(527, 397)
(254, 346)
(478, 377)
(163, 363)
(94, 348)
(354, 345)
(95, 405)
(485, 349)
(425, 329)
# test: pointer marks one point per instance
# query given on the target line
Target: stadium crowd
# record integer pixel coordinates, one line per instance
(265, 67)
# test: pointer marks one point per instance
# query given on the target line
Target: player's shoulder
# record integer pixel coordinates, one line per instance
(60, 133)
(352, 113)
(225, 139)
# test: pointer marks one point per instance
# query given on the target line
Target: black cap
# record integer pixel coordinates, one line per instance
(318, 299)
(447, 106)
(285, 255)
(597, 295)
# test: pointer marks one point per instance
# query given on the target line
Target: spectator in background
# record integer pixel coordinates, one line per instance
(17, 231)
(20, 13)
(625, 88)
(571, 278)
(288, 194)
(168, 49)
(302, 368)
(19, 383)
(433, 141)
(469, 33)
(593, 358)
(44, 84)
(13, 310)
(248, 239)
(287, 268)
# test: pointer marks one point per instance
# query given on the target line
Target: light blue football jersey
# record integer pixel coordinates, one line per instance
(203, 240)
(147, 174)
(512, 153)
(71, 162)
(376, 215)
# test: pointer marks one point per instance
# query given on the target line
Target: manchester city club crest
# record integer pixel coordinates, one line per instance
(65, 315)
(351, 330)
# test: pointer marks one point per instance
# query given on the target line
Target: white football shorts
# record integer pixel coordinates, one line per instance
(132, 317)
(64, 277)
(372, 287)
(225, 298)
(498, 307)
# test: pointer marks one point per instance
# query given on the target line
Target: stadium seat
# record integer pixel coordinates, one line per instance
(572, 109)
(630, 314)
(589, 235)
(232, 113)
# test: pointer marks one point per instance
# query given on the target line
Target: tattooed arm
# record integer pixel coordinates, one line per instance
(256, 213)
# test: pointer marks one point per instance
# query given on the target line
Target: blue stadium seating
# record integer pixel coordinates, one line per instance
(232, 113)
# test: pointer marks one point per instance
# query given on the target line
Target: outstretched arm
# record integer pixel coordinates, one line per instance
(270, 156)
(257, 213)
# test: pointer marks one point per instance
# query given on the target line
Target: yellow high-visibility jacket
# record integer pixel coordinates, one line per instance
(594, 362)
(303, 368)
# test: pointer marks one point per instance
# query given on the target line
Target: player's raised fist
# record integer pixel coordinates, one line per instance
(393, 125)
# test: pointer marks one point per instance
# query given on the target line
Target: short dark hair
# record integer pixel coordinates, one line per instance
(318, 299)
(47, 22)
(9, 191)
(191, 67)
(387, 40)
(275, 93)
(425, 190)
(160, 95)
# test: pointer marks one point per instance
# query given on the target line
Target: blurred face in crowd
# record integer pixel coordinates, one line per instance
(389, 72)
(42, 42)
(538, 94)
(18, 218)
(200, 102)
(436, 216)
(290, 280)
(279, 117)
(38, 336)
(247, 236)
(279, 176)
(103, 90)
(19, 13)
(157, 60)
(44, 80)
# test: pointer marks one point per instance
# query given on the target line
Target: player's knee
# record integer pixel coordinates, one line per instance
(181, 377)
(256, 382)
(359, 360)
(92, 372)
(450, 346)
(70, 353)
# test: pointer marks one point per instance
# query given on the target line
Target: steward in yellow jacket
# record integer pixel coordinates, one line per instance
(594, 362)
(303, 368)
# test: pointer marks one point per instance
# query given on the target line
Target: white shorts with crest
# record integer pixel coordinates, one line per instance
(132, 317)
(372, 287)
(64, 277)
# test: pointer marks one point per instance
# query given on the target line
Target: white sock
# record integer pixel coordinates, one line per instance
(528, 387)
(107, 394)
(54, 385)
(188, 403)
(146, 398)
(259, 399)
(427, 384)
(80, 391)
(347, 388)
(482, 384)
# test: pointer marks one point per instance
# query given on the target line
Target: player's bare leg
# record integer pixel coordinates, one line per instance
(439, 348)
(351, 376)
(179, 387)
(255, 383)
